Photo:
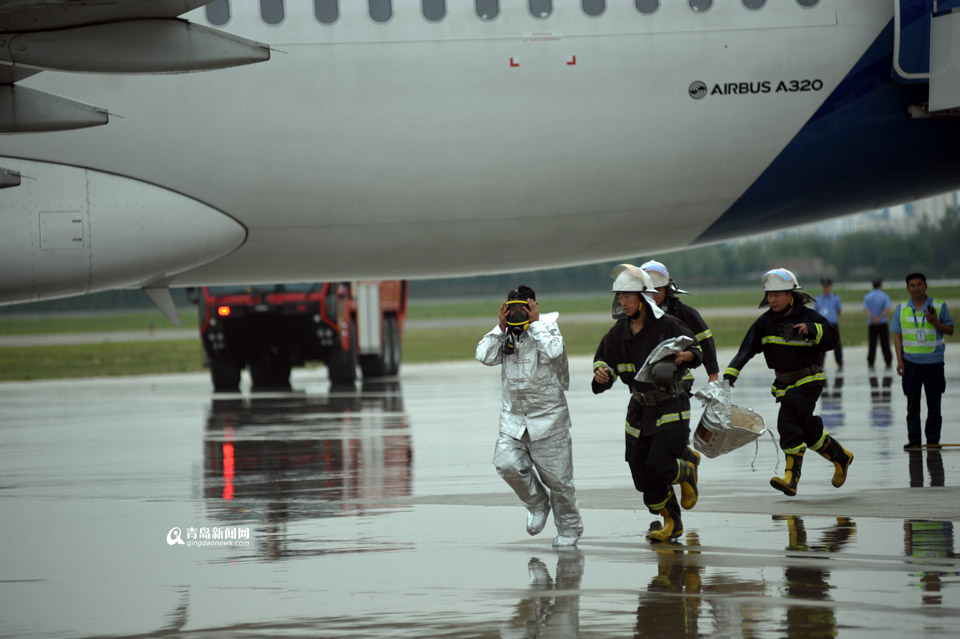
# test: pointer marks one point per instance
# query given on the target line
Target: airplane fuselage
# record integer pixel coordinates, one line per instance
(418, 149)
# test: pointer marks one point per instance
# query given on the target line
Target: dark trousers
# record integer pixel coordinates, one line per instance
(837, 352)
(878, 332)
(796, 423)
(930, 379)
(653, 462)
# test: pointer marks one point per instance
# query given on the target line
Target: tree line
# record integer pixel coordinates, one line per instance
(860, 256)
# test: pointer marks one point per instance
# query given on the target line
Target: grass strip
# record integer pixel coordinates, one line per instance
(11, 324)
(99, 360)
(446, 343)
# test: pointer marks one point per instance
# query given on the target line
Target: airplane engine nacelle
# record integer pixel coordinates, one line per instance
(72, 231)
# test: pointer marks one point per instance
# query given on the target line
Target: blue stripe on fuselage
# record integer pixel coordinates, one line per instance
(859, 151)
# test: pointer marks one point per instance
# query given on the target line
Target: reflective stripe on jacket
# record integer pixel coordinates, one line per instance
(786, 353)
(624, 352)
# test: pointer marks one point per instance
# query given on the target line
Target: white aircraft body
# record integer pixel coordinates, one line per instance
(420, 139)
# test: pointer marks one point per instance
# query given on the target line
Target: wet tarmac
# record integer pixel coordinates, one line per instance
(148, 507)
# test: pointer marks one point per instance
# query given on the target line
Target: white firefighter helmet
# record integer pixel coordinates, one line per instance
(660, 276)
(627, 278)
(779, 279)
(658, 273)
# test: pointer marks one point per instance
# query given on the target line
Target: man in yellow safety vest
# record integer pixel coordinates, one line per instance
(919, 325)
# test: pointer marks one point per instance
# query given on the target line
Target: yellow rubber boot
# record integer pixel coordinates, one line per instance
(832, 451)
(788, 483)
(692, 456)
(672, 524)
(687, 478)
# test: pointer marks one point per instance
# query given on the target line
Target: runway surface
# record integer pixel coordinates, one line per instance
(375, 512)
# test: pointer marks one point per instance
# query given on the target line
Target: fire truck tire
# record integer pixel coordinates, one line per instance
(342, 365)
(396, 347)
(270, 370)
(386, 363)
(225, 374)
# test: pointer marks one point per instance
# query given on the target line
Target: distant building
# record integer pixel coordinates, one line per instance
(902, 219)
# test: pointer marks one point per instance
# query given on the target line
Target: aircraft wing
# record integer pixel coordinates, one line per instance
(22, 16)
(110, 37)
(12, 75)
(101, 36)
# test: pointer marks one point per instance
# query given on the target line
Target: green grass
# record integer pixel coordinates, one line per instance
(67, 323)
(10, 324)
(99, 360)
(852, 298)
(450, 342)
(419, 345)
(582, 338)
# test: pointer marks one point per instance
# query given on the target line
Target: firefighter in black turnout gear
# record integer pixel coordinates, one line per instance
(666, 298)
(658, 416)
(792, 338)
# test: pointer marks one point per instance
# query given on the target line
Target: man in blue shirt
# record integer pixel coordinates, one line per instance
(877, 305)
(828, 304)
(919, 325)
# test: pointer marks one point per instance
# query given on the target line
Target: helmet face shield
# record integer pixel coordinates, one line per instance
(617, 312)
(627, 278)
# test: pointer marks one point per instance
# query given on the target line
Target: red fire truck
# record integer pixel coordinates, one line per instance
(271, 328)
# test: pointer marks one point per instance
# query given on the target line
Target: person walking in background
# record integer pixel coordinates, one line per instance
(534, 452)
(919, 325)
(877, 305)
(829, 305)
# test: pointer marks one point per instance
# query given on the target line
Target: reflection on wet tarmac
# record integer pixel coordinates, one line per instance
(881, 410)
(375, 512)
(808, 583)
(280, 458)
(671, 605)
(831, 402)
(934, 466)
(553, 608)
(925, 540)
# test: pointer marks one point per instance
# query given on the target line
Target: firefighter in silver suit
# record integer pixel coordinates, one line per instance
(534, 453)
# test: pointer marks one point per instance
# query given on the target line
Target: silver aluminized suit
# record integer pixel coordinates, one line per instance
(535, 422)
